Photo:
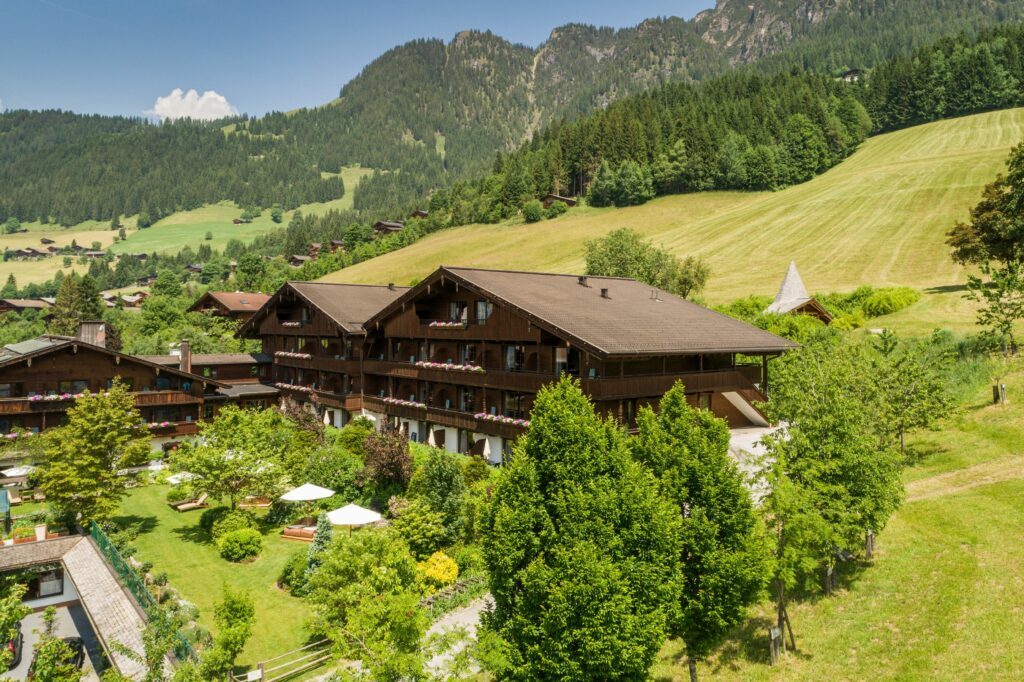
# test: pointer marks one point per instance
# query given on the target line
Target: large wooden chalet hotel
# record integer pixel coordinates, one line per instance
(457, 360)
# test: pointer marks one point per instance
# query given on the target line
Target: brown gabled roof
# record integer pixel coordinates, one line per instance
(14, 353)
(235, 301)
(36, 303)
(206, 359)
(349, 305)
(634, 320)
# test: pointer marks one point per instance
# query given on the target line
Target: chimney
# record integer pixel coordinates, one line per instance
(185, 356)
(93, 332)
(604, 293)
(391, 286)
(583, 281)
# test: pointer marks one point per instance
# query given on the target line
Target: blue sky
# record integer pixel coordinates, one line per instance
(119, 56)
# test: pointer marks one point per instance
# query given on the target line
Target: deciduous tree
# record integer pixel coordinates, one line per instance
(581, 551)
(104, 434)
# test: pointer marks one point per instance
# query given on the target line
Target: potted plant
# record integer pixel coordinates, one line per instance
(40, 529)
(23, 534)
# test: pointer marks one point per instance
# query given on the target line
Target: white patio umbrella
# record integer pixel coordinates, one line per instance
(352, 515)
(307, 492)
(23, 470)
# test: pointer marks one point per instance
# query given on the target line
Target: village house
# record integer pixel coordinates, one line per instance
(19, 305)
(237, 305)
(388, 226)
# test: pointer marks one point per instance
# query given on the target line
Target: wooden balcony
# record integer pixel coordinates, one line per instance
(174, 429)
(601, 388)
(527, 382)
(320, 363)
(442, 417)
(142, 399)
(656, 385)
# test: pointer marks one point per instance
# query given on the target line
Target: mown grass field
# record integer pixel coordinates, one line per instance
(879, 218)
(944, 597)
(173, 542)
(170, 235)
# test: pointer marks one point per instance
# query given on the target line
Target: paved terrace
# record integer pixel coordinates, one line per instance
(113, 612)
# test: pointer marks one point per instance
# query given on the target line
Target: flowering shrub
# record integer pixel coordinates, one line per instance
(159, 425)
(438, 570)
(291, 324)
(476, 369)
(501, 419)
(16, 435)
(290, 354)
(448, 324)
(407, 403)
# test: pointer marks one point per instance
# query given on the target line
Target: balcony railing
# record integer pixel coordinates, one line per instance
(22, 405)
(444, 417)
(599, 388)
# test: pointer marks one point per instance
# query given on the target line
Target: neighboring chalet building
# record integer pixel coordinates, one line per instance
(793, 298)
(41, 378)
(314, 333)
(298, 260)
(457, 360)
(337, 245)
(419, 213)
(553, 198)
(388, 226)
(238, 305)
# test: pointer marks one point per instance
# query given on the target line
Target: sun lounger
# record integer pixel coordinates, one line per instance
(14, 497)
(302, 533)
(39, 496)
(198, 503)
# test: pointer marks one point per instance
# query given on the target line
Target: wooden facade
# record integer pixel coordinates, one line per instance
(455, 365)
(41, 379)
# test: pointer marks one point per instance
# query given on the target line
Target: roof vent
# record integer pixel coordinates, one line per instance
(583, 281)
(391, 285)
(604, 293)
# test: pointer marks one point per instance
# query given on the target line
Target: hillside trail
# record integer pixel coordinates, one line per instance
(961, 480)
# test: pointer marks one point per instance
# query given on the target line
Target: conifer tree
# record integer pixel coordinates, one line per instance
(581, 551)
(723, 549)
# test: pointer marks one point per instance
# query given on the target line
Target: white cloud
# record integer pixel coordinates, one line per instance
(205, 107)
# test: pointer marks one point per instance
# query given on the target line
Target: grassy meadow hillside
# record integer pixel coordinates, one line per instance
(878, 218)
(169, 235)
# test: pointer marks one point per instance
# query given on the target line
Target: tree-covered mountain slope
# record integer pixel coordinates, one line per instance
(430, 111)
(878, 218)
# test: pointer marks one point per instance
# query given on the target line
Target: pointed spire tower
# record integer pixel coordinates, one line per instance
(793, 298)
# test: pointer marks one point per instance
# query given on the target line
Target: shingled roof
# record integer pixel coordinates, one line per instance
(348, 305)
(235, 301)
(793, 297)
(610, 316)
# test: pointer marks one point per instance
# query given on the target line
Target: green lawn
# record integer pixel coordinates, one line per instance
(877, 218)
(944, 596)
(173, 543)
